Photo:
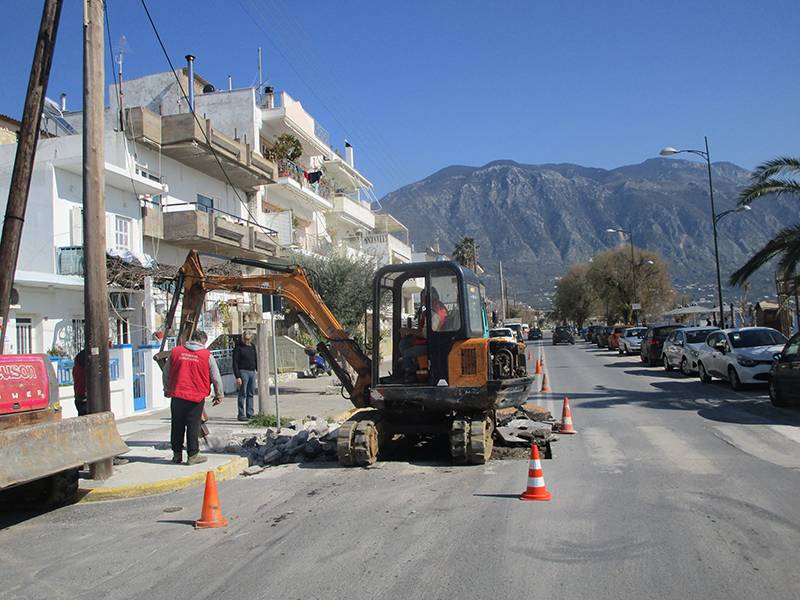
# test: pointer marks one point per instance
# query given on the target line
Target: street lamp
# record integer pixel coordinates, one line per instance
(669, 151)
(629, 233)
(725, 213)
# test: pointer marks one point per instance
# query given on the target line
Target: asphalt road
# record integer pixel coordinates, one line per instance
(670, 489)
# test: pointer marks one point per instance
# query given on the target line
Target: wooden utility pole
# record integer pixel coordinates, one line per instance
(262, 335)
(95, 291)
(26, 153)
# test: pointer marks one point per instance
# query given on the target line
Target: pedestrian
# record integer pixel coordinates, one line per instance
(79, 383)
(245, 365)
(708, 322)
(189, 373)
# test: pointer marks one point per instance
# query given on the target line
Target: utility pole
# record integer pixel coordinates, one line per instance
(26, 153)
(274, 358)
(95, 292)
(502, 294)
(262, 334)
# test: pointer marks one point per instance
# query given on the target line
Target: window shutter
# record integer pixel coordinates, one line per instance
(76, 226)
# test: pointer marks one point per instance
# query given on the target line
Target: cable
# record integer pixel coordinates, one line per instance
(267, 230)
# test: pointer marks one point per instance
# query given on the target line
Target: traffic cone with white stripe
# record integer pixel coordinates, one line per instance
(566, 419)
(538, 368)
(536, 489)
(545, 383)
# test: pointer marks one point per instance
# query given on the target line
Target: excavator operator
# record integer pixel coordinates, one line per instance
(413, 340)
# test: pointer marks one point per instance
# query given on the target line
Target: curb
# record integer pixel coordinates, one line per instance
(227, 470)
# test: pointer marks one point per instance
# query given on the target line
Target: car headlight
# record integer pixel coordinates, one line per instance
(693, 353)
(746, 362)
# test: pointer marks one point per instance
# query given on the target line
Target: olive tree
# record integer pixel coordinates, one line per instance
(575, 298)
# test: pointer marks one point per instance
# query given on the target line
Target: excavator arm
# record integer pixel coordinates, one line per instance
(292, 283)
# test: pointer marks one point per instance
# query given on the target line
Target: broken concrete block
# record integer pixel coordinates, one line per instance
(536, 412)
(271, 457)
(312, 447)
(253, 470)
(299, 439)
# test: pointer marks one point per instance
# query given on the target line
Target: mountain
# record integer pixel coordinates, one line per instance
(539, 219)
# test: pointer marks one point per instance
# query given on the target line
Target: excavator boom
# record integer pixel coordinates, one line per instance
(291, 283)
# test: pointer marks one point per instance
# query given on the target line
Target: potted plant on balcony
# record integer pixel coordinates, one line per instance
(286, 148)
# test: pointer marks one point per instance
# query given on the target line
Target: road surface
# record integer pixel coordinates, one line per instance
(671, 488)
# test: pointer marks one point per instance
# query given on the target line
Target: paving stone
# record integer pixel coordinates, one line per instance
(253, 470)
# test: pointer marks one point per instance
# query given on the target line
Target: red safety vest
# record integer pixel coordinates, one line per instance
(440, 310)
(189, 374)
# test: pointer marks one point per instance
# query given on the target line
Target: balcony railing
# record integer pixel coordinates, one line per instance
(69, 260)
(63, 367)
(287, 168)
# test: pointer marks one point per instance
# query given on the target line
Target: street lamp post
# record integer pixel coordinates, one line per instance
(706, 155)
(629, 233)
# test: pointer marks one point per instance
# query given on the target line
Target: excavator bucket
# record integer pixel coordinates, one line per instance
(36, 451)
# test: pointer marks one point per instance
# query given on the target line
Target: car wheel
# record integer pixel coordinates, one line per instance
(774, 395)
(733, 377)
(704, 377)
(685, 367)
(619, 351)
(667, 365)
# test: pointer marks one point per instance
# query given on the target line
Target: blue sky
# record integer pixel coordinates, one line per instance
(418, 85)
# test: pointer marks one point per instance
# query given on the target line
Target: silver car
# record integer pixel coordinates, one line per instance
(682, 348)
(630, 340)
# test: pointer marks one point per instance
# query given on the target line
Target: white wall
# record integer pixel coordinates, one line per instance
(233, 113)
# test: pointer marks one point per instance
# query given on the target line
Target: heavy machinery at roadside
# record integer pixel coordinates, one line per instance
(458, 385)
(40, 453)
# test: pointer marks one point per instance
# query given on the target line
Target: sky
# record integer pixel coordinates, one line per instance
(416, 86)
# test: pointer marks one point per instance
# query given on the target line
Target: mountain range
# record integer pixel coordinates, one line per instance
(539, 219)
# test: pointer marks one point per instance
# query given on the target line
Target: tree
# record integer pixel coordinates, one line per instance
(466, 253)
(575, 299)
(286, 146)
(344, 283)
(775, 177)
(611, 275)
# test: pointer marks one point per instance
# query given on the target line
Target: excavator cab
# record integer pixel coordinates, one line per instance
(449, 293)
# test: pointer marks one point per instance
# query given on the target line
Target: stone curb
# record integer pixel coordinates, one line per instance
(228, 470)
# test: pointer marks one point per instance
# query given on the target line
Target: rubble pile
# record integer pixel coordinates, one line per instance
(310, 440)
(520, 426)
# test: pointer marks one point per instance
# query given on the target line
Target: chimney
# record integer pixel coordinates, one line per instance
(190, 73)
(348, 153)
(63, 102)
(230, 83)
(269, 97)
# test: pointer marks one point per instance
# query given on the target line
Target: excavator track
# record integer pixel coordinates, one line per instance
(358, 441)
(480, 440)
(459, 440)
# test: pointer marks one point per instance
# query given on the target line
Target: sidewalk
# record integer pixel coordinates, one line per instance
(150, 469)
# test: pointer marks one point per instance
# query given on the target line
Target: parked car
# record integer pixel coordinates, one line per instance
(743, 355)
(590, 331)
(682, 347)
(602, 335)
(517, 329)
(535, 334)
(630, 341)
(784, 376)
(653, 343)
(505, 333)
(613, 339)
(563, 333)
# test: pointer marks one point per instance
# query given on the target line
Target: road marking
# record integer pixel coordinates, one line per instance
(677, 451)
(605, 452)
(782, 452)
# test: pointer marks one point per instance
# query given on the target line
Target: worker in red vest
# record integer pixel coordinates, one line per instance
(189, 373)
(414, 340)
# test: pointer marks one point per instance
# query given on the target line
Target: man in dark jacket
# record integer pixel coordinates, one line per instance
(245, 365)
(79, 383)
(189, 374)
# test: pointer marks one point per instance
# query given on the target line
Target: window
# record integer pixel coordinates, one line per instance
(122, 233)
(753, 338)
(791, 352)
(24, 330)
(474, 306)
(122, 335)
(713, 339)
(204, 203)
(444, 293)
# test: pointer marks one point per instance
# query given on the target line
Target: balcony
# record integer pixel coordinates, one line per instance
(143, 126)
(388, 249)
(352, 212)
(292, 191)
(191, 143)
(194, 226)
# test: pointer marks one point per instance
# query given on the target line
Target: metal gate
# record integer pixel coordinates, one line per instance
(139, 380)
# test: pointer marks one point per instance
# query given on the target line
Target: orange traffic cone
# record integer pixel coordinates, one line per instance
(536, 489)
(545, 384)
(566, 419)
(212, 513)
(538, 368)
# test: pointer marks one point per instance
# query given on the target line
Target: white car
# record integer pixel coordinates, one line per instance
(504, 333)
(682, 348)
(739, 355)
(630, 340)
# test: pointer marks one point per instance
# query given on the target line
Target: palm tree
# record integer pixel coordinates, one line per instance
(775, 177)
(466, 253)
